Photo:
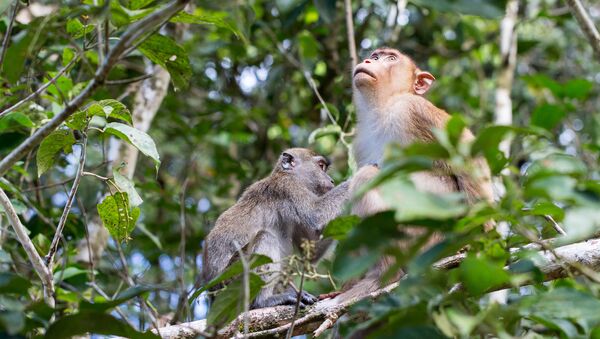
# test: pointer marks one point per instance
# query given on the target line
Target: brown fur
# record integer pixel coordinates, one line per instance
(389, 110)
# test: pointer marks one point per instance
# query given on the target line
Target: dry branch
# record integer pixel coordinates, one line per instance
(276, 320)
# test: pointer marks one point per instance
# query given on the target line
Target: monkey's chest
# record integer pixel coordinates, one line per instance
(369, 146)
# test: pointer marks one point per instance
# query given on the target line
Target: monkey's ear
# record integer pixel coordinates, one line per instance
(287, 161)
(423, 82)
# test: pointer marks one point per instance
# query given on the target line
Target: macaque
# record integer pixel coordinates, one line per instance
(388, 89)
(272, 217)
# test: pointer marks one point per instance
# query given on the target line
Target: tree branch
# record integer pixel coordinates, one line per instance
(128, 38)
(586, 24)
(350, 31)
(276, 320)
(36, 260)
(8, 33)
(63, 218)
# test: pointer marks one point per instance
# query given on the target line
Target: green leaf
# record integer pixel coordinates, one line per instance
(12, 283)
(204, 17)
(102, 304)
(479, 275)
(235, 269)
(561, 308)
(93, 322)
(135, 137)
(229, 302)
(110, 108)
(543, 81)
(411, 203)
(165, 52)
(67, 56)
(547, 116)
(578, 89)
(308, 46)
(15, 119)
(128, 187)
(59, 140)
(76, 29)
(12, 321)
(78, 121)
(339, 227)
(67, 273)
(137, 4)
(117, 216)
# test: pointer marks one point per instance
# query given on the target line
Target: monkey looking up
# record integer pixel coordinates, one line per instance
(272, 217)
(390, 108)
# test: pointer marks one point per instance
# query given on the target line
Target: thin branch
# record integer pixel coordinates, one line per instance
(68, 205)
(135, 31)
(350, 31)
(296, 307)
(36, 260)
(128, 81)
(8, 33)
(40, 90)
(586, 24)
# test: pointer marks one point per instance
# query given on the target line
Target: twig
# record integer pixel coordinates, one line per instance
(296, 307)
(40, 90)
(246, 282)
(586, 24)
(36, 260)
(90, 174)
(182, 302)
(8, 33)
(554, 224)
(68, 205)
(350, 31)
(107, 297)
(135, 31)
(128, 81)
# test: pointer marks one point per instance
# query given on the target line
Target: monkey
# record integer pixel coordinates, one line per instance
(273, 216)
(388, 91)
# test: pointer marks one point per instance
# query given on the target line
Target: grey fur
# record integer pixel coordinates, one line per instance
(273, 216)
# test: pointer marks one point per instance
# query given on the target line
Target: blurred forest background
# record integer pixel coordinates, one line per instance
(243, 81)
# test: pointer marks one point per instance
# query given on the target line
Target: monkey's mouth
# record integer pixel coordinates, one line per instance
(365, 71)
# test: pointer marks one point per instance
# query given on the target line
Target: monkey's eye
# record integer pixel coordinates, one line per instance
(322, 165)
(375, 57)
(391, 58)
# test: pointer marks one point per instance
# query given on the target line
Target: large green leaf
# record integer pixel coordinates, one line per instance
(340, 226)
(167, 53)
(128, 187)
(57, 141)
(562, 309)
(479, 274)
(102, 304)
(229, 302)
(235, 269)
(204, 17)
(93, 322)
(110, 108)
(547, 116)
(135, 137)
(117, 216)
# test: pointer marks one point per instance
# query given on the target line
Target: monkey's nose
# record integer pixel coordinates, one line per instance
(367, 61)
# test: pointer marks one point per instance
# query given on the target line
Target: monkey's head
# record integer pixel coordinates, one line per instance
(308, 167)
(387, 72)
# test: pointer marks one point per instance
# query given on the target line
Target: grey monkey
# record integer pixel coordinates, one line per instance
(273, 216)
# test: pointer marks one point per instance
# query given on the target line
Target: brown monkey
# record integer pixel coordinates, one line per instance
(388, 89)
(272, 217)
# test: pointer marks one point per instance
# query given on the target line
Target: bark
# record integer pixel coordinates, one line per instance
(268, 322)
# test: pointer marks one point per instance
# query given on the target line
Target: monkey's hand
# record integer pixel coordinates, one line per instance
(362, 176)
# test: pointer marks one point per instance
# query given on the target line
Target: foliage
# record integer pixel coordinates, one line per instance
(241, 91)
